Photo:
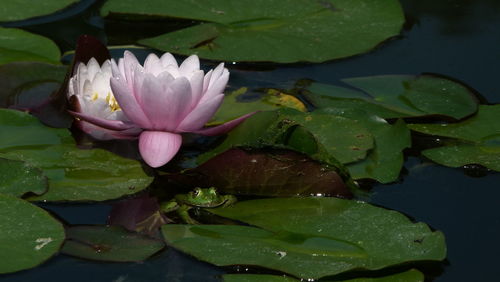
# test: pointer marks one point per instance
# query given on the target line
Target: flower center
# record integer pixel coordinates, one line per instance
(113, 104)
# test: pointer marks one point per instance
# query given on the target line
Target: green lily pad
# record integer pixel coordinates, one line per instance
(411, 275)
(83, 175)
(309, 237)
(20, 45)
(385, 161)
(476, 140)
(397, 96)
(29, 235)
(270, 30)
(18, 178)
(109, 243)
(15, 10)
(19, 129)
(74, 174)
(232, 107)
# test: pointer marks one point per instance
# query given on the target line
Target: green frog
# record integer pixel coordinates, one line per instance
(199, 198)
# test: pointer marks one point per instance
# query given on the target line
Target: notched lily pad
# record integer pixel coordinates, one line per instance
(266, 173)
(475, 140)
(109, 243)
(309, 237)
(18, 178)
(397, 96)
(270, 30)
(29, 235)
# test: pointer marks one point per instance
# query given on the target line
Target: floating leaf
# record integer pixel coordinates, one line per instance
(18, 129)
(266, 173)
(15, 10)
(477, 140)
(384, 162)
(411, 275)
(20, 45)
(109, 243)
(397, 96)
(83, 175)
(18, 178)
(309, 237)
(232, 107)
(29, 235)
(270, 30)
(74, 174)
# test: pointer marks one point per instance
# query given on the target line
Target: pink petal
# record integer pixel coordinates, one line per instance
(216, 86)
(223, 128)
(167, 59)
(158, 147)
(153, 64)
(191, 64)
(196, 87)
(105, 123)
(200, 115)
(129, 64)
(167, 102)
(128, 102)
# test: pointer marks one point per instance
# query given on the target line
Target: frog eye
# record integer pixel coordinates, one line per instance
(197, 192)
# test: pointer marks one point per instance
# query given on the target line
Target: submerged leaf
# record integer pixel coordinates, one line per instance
(109, 243)
(29, 235)
(309, 237)
(270, 30)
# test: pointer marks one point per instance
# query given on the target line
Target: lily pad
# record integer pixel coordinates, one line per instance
(83, 175)
(74, 174)
(266, 173)
(310, 237)
(411, 275)
(19, 129)
(20, 45)
(270, 30)
(109, 243)
(476, 140)
(15, 10)
(385, 161)
(235, 106)
(29, 235)
(397, 96)
(18, 178)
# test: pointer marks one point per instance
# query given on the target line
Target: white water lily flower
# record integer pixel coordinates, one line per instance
(91, 87)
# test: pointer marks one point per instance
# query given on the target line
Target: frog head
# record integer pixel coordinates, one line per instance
(201, 197)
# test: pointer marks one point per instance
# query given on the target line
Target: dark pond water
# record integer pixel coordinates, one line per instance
(459, 39)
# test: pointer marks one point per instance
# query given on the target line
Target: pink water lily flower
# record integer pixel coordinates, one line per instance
(163, 100)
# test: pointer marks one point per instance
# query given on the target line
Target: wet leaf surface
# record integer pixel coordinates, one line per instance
(74, 174)
(266, 173)
(29, 235)
(109, 243)
(275, 31)
(397, 96)
(309, 237)
(18, 178)
(475, 140)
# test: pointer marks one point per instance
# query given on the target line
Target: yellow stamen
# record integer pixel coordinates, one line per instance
(113, 104)
(94, 96)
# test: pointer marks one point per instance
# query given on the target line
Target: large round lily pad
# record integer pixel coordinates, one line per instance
(15, 10)
(28, 235)
(282, 31)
